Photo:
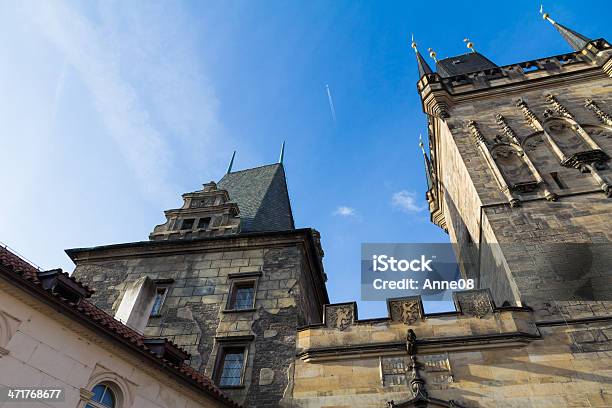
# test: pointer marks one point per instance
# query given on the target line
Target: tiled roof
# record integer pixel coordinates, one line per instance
(262, 197)
(19, 268)
(18, 265)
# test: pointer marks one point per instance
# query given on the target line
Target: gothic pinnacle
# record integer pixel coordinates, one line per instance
(576, 40)
(421, 63)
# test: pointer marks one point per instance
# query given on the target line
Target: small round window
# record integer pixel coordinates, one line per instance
(103, 397)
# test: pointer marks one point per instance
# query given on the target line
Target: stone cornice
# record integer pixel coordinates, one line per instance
(425, 346)
(303, 237)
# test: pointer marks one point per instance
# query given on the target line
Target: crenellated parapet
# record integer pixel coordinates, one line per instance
(439, 93)
(476, 323)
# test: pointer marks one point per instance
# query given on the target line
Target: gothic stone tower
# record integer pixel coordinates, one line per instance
(227, 277)
(519, 169)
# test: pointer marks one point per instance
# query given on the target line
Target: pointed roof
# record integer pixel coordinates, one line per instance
(576, 40)
(421, 63)
(262, 197)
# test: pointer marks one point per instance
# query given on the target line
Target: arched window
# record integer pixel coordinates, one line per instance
(103, 397)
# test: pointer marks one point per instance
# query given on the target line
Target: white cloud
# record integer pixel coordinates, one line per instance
(344, 211)
(406, 202)
(144, 88)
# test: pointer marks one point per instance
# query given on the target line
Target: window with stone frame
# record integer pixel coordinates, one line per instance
(160, 296)
(203, 223)
(231, 365)
(242, 295)
(187, 224)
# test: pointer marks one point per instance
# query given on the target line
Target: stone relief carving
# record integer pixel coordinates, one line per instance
(418, 387)
(339, 316)
(474, 303)
(394, 371)
(439, 369)
(406, 311)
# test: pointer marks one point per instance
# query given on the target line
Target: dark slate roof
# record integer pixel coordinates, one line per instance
(463, 64)
(262, 197)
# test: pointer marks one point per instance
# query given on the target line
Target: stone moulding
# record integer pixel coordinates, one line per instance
(482, 144)
(425, 346)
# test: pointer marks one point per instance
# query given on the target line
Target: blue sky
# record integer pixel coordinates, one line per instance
(111, 110)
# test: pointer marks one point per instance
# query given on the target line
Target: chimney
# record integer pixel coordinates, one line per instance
(136, 304)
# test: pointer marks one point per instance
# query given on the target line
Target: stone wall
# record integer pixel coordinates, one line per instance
(42, 348)
(194, 315)
(482, 356)
(569, 204)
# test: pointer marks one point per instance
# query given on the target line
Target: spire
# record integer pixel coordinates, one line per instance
(282, 153)
(427, 164)
(576, 40)
(422, 64)
(231, 163)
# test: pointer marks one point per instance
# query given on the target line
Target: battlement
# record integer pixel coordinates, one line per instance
(439, 93)
(477, 322)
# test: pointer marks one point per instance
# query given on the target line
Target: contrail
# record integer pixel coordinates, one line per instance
(59, 87)
(331, 103)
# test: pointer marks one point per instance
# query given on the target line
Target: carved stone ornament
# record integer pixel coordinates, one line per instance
(602, 116)
(558, 107)
(530, 117)
(474, 303)
(420, 396)
(407, 310)
(585, 157)
(339, 316)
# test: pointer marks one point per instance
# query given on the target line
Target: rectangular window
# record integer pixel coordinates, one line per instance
(203, 223)
(242, 295)
(187, 224)
(160, 296)
(231, 367)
